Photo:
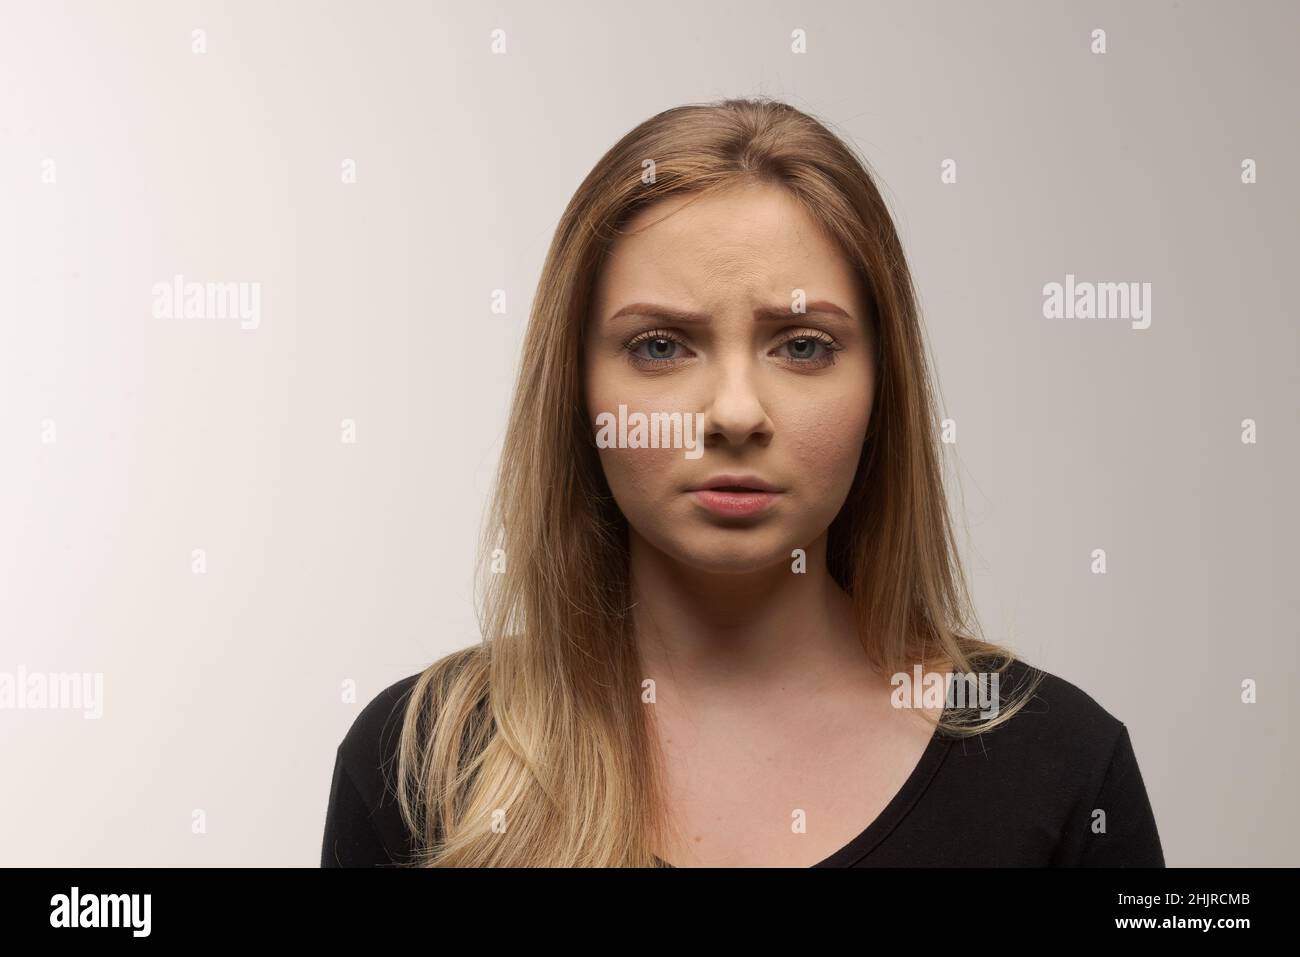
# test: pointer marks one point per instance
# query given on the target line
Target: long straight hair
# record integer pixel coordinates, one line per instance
(532, 747)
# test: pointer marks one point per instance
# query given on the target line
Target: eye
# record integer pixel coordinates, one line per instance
(809, 348)
(661, 347)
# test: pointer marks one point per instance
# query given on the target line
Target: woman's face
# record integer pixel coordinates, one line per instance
(785, 395)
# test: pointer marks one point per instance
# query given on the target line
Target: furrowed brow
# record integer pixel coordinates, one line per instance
(820, 308)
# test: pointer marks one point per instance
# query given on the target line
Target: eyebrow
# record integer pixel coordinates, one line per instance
(645, 310)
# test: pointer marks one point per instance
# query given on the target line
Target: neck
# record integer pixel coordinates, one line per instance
(736, 637)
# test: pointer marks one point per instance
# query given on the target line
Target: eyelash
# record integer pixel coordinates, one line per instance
(652, 335)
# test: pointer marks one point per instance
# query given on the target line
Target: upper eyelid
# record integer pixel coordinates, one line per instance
(656, 334)
(650, 335)
(804, 332)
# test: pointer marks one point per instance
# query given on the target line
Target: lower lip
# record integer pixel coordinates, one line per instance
(734, 504)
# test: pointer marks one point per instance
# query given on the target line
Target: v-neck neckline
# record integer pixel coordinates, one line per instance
(894, 812)
(896, 809)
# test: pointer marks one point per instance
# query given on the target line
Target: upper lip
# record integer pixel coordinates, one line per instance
(749, 482)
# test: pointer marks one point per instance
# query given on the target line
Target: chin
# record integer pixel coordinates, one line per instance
(732, 551)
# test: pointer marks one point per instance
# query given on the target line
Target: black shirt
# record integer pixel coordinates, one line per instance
(1024, 794)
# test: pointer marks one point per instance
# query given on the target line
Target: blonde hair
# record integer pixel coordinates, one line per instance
(560, 750)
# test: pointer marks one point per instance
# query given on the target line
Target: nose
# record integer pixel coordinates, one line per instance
(735, 413)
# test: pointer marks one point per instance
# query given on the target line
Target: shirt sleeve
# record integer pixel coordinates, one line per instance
(1130, 838)
(351, 839)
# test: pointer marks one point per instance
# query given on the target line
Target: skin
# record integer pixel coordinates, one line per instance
(765, 701)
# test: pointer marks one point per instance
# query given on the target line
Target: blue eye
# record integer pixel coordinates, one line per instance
(662, 347)
(805, 350)
(659, 348)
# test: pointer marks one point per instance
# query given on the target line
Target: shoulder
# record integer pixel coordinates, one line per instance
(1057, 702)
(1080, 759)
(376, 718)
(368, 750)
(363, 824)
(1051, 780)
(1052, 713)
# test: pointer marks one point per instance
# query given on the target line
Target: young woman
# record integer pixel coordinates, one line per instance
(702, 639)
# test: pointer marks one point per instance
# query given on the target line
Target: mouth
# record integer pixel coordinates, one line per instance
(736, 483)
(735, 496)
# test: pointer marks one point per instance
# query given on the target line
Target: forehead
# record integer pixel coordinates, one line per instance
(749, 246)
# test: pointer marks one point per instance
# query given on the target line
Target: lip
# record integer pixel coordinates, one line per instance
(750, 483)
(734, 504)
(735, 496)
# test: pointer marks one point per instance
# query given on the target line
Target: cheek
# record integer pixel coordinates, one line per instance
(825, 439)
(639, 477)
